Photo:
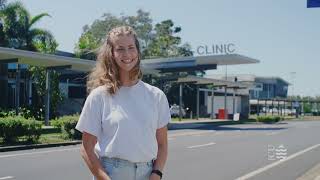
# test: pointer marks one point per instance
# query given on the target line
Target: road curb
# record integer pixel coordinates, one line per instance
(37, 146)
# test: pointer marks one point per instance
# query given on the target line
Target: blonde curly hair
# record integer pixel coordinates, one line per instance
(106, 71)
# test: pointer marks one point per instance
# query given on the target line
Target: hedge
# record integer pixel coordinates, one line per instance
(268, 119)
(14, 127)
(67, 125)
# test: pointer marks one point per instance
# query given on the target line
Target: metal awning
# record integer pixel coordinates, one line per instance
(215, 82)
(148, 66)
(196, 62)
(225, 59)
(8, 55)
(44, 60)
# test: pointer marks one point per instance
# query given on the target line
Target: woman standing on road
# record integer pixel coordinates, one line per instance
(124, 120)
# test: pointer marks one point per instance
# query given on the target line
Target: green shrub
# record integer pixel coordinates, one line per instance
(268, 119)
(57, 123)
(25, 111)
(67, 125)
(6, 113)
(14, 127)
(32, 130)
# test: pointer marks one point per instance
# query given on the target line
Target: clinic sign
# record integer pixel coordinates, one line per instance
(215, 49)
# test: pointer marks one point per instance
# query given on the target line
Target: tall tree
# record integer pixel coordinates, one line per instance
(164, 43)
(142, 23)
(94, 35)
(18, 28)
(159, 41)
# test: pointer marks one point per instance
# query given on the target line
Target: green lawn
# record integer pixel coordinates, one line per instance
(48, 136)
(52, 138)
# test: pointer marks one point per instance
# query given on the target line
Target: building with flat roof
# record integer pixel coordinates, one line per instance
(261, 87)
(17, 86)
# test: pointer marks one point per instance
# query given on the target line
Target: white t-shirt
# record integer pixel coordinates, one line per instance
(125, 124)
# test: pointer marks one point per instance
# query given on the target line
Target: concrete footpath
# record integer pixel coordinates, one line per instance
(175, 125)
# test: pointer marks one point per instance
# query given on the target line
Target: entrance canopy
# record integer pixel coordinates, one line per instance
(215, 82)
(193, 63)
(149, 66)
(45, 60)
(9, 55)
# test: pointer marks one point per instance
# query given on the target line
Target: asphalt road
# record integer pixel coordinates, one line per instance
(284, 151)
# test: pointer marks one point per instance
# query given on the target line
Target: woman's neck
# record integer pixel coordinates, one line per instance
(125, 80)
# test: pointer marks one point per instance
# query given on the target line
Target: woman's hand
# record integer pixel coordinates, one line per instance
(154, 177)
(104, 178)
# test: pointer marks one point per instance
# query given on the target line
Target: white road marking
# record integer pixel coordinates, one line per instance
(221, 132)
(7, 177)
(200, 135)
(272, 133)
(41, 152)
(202, 145)
(258, 171)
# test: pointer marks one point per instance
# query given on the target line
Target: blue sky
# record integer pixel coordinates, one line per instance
(283, 35)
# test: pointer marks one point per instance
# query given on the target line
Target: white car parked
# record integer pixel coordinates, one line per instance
(174, 111)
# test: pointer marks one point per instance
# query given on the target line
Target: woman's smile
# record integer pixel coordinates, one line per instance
(127, 61)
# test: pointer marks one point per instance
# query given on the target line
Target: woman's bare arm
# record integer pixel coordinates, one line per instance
(162, 140)
(90, 157)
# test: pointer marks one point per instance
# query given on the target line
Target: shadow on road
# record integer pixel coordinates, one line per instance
(224, 127)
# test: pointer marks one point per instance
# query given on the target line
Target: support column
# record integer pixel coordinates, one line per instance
(180, 102)
(258, 110)
(29, 90)
(278, 108)
(17, 100)
(272, 107)
(47, 100)
(265, 107)
(302, 108)
(291, 107)
(212, 104)
(198, 103)
(225, 103)
(234, 102)
(281, 112)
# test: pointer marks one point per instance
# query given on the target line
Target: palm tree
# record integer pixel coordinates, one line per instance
(19, 31)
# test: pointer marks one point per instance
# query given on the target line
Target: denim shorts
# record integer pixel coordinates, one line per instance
(119, 169)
